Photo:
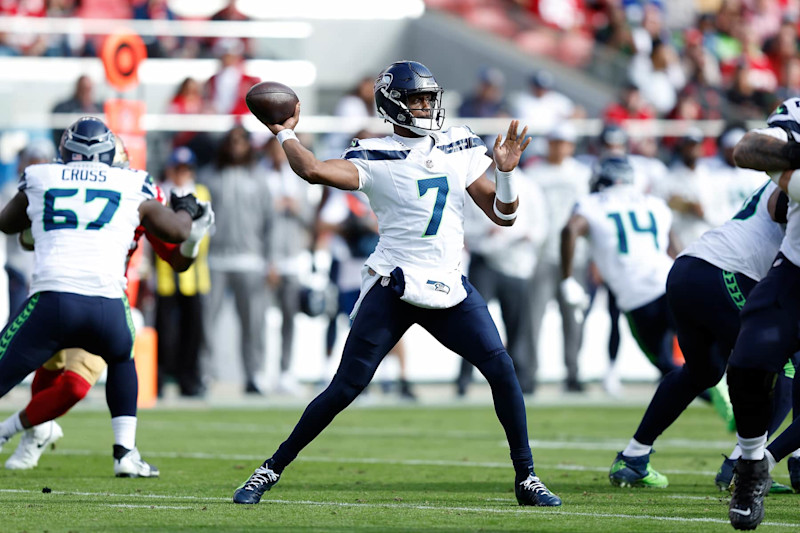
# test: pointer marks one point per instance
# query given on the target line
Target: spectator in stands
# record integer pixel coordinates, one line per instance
(488, 99)
(188, 99)
(751, 101)
(563, 180)
(82, 101)
(782, 49)
(630, 106)
(358, 103)
(687, 189)
(659, 76)
(290, 237)
(699, 64)
(225, 91)
(162, 46)
(239, 252)
(543, 106)
(180, 297)
(501, 267)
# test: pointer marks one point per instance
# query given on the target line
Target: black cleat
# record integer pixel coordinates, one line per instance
(794, 472)
(531, 491)
(750, 485)
(260, 482)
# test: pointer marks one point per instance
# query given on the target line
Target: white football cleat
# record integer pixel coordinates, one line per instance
(129, 463)
(32, 445)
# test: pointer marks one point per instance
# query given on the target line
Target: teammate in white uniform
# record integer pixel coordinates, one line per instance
(417, 181)
(83, 214)
(629, 235)
(770, 328)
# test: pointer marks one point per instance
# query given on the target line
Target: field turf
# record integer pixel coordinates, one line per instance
(376, 469)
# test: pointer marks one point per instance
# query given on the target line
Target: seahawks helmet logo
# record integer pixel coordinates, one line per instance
(383, 82)
(439, 286)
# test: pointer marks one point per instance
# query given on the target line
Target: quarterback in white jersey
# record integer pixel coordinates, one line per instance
(83, 214)
(417, 182)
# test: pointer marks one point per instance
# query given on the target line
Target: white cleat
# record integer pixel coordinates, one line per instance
(128, 463)
(32, 445)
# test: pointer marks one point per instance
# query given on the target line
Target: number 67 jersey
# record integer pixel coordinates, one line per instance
(83, 217)
(629, 236)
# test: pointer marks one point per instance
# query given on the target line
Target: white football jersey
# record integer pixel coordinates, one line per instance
(418, 195)
(747, 243)
(83, 216)
(629, 236)
(781, 126)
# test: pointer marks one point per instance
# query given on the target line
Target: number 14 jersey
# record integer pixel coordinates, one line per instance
(83, 217)
(417, 189)
(629, 236)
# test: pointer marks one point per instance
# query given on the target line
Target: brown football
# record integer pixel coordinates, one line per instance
(271, 102)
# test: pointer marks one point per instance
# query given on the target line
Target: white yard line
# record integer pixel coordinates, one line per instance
(132, 506)
(375, 460)
(529, 510)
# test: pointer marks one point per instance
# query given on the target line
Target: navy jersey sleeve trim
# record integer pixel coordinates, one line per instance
(149, 188)
(463, 144)
(23, 182)
(376, 155)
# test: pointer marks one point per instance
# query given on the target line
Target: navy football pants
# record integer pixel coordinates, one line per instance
(767, 339)
(653, 329)
(53, 321)
(705, 303)
(467, 329)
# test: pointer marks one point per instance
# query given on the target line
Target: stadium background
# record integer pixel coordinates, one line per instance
(587, 46)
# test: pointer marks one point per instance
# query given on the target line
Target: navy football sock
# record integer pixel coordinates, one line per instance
(674, 394)
(781, 403)
(122, 388)
(510, 408)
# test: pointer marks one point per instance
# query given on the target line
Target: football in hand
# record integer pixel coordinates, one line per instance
(271, 102)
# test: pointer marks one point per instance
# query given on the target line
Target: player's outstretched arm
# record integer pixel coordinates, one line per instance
(337, 173)
(577, 226)
(14, 216)
(764, 152)
(499, 200)
(164, 223)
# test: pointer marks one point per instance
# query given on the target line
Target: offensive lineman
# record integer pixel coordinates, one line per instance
(66, 378)
(85, 214)
(770, 322)
(416, 182)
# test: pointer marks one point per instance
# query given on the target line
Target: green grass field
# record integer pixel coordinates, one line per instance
(376, 469)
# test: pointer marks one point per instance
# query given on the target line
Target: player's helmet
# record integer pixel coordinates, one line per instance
(787, 116)
(121, 158)
(610, 171)
(87, 139)
(393, 87)
(613, 135)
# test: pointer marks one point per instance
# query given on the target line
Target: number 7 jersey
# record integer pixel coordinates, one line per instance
(83, 217)
(629, 236)
(418, 196)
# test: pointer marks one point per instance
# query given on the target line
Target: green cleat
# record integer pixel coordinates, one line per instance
(780, 488)
(636, 472)
(721, 401)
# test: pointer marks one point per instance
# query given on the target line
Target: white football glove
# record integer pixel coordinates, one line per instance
(200, 227)
(573, 294)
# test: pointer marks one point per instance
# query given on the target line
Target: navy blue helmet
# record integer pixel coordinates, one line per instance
(393, 87)
(613, 135)
(87, 139)
(609, 171)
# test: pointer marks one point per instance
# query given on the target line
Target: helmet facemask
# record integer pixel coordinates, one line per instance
(403, 115)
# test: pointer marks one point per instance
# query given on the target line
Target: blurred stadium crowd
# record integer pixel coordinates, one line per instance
(280, 242)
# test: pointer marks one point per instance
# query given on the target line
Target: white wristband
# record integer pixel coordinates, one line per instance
(504, 188)
(190, 249)
(503, 216)
(286, 134)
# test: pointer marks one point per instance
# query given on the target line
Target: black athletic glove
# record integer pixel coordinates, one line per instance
(187, 203)
(791, 151)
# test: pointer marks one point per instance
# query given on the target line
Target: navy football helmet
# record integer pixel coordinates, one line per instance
(610, 171)
(87, 139)
(393, 87)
